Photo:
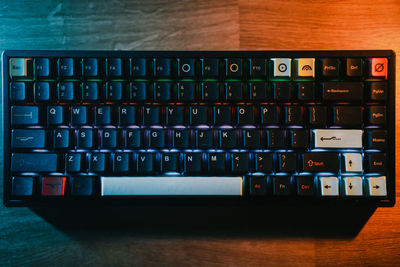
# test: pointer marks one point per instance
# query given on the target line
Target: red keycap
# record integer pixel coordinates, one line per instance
(53, 186)
(378, 67)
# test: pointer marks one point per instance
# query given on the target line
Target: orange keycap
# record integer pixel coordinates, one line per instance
(378, 67)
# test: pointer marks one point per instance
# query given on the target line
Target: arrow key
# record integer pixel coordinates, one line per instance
(352, 162)
(376, 186)
(352, 186)
(329, 186)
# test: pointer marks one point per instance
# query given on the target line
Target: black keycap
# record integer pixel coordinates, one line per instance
(78, 115)
(354, 67)
(66, 91)
(282, 91)
(114, 91)
(90, 91)
(305, 185)
(114, 67)
(186, 67)
(287, 162)
(377, 139)
(258, 185)
(192, 162)
(66, 67)
(317, 115)
(376, 162)
(252, 139)
(174, 115)
(240, 162)
(234, 67)
(42, 91)
(216, 163)
(28, 138)
(245, 115)
(108, 138)
(222, 115)
(210, 67)
(120, 162)
(55, 115)
(299, 138)
(73, 162)
(203, 139)
(275, 138)
(138, 91)
(343, 91)
(151, 115)
(102, 115)
(145, 163)
(61, 138)
(162, 91)
(133, 138)
(378, 91)
(81, 185)
(234, 91)
(282, 185)
(170, 162)
(24, 115)
(320, 162)
(42, 67)
(157, 138)
(186, 91)
(306, 91)
(330, 67)
(90, 67)
(97, 162)
(85, 138)
(198, 115)
(138, 67)
(17, 91)
(227, 139)
(345, 115)
(126, 115)
(264, 162)
(293, 115)
(269, 115)
(34, 162)
(258, 67)
(180, 138)
(259, 91)
(162, 67)
(377, 115)
(210, 91)
(22, 186)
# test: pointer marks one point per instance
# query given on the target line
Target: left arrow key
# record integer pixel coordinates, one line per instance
(28, 138)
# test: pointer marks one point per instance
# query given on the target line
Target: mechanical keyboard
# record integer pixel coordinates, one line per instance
(241, 127)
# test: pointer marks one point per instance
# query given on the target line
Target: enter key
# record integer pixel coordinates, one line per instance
(337, 138)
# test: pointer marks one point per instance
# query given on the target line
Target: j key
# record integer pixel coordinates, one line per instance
(174, 115)
(330, 67)
(343, 91)
(293, 115)
(139, 67)
(287, 162)
(42, 91)
(198, 115)
(345, 115)
(53, 186)
(275, 138)
(378, 91)
(240, 162)
(222, 115)
(282, 185)
(227, 139)
(258, 185)
(186, 67)
(245, 115)
(42, 67)
(78, 115)
(180, 138)
(18, 91)
(90, 67)
(24, 115)
(108, 138)
(264, 162)
(66, 91)
(34, 162)
(114, 91)
(162, 91)
(354, 67)
(299, 138)
(269, 115)
(138, 91)
(210, 67)
(133, 138)
(252, 139)
(121, 162)
(203, 139)
(28, 138)
(102, 115)
(192, 162)
(210, 91)
(216, 162)
(97, 162)
(90, 91)
(377, 139)
(186, 91)
(55, 115)
(306, 91)
(162, 67)
(114, 67)
(170, 162)
(66, 67)
(73, 162)
(305, 185)
(61, 138)
(151, 115)
(85, 138)
(234, 67)
(320, 162)
(145, 162)
(282, 91)
(126, 115)
(259, 91)
(376, 162)
(22, 186)
(258, 67)
(234, 91)
(377, 115)
(81, 185)
(317, 115)
(157, 138)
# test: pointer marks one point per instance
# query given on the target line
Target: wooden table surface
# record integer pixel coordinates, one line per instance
(285, 236)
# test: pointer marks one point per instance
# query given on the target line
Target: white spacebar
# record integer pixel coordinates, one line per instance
(172, 186)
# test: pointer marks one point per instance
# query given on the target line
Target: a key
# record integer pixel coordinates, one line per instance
(151, 115)
(157, 139)
(269, 115)
(22, 186)
(97, 162)
(282, 91)
(34, 162)
(66, 67)
(376, 186)
(305, 67)
(66, 91)
(210, 91)
(138, 91)
(90, 67)
(378, 91)
(287, 162)
(293, 115)
(245, 115)
(378, 67)
(353, 186)
(198, 115)
(73, 162)
(376, 162)
(170, 162)
(222, 115)
(192, 163)
(258, 67)
(330, 67)
(162, 91)
(329, 186)
(186, 67)
(53, 186)
(108, 138)
(138, 67)
(264, 162)
(305, 185)
(145, 163)
(227, 139)
(252, 139)
(114, 67)
(281, 67)
(102, 115)
(78, 115)
(90, 91)
(18, 91)
(115, 91)
(210, 67)
(377, 115)
(320, 162)
(162, 67)
(240, 162)
(343, 91)
(234, 91)
(347, 116)
(377, 139)
(275, 138)
(42, 91)
(317, 115)
(85, 138)
(28, 138)
(233, 67)
(306, 91)
(186, 91)
(133, 138)
(203, 139)
(258, 185)
(55, 115)
(24, 115)
(282, 185)
(216, 163)
(42, 67)
(354, 67)
(81, 185)
(337, 138)
(352, 162)
(121, 162)
(174, 115)
(61, 138)
(180, 138)
(20, 67)
(299, 138)
(126, 115)
(259, 91)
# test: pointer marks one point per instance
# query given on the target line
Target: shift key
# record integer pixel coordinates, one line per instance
(320, 162)
(34, 162)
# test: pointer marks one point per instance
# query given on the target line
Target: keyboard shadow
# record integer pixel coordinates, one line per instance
(236, 222)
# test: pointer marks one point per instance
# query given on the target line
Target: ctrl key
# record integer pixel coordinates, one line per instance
(81, 186)
(53, 186)
(22, 186)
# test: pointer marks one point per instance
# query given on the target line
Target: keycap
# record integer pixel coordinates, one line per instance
(186, 67)
(282, 185)
(42, 67)
(24, 115)
(78, 115)
(115, 91)
(55, 115)
(162, 91)
(85, 138)
(174, 115)
(138, 91)
(17, 91)
(240, 162)
(282, 91)
(97, 162)
(227, 139)
(180, 138)
(34, 162)
(275, 138)
(377, 139)
(287, 162)
(198, 115)
(222, 115)
(138, 67)
(376, 186)
(245, 115)
(269, 115)
(216, 163)
(252, 139)
(66, 67)
(210, 67)
(234, 67)
(234, 91)
(145, 163)
(170, 162)
(28, 138)
(352, 162)
(53, 186)
(329, 186)
(151, 115)
(73, 162)
(102, 115)
(20, 67)
(210, 91)
(306, 91)
(203, 139)
(320, 162)
(173, 185)
(22, 186)
(260, 91)
(305, 67)
(376, 162)
(114, 67)
(81, 185)
(162, 67)
(305, 185)
(281, 67)
(347, 115)
(42, 91)
(90, 67)
(299, 138)
(293, 115)
(353, 186)
(157, 138)
(61, 138)
(264, 162)
(377, 115)
(337, 138)
(343, 91)
(133, 138)
(317, 115)
(330, 67)
(378, 67)
(258, 67)
(192, 163)
(108, 138)
(378, 91)
(186, 91)
(354, 67)
(121, 162)
(90, 91)
(258, 186)
(66, 91)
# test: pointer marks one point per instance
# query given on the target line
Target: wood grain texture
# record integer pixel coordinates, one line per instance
(217, 237)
